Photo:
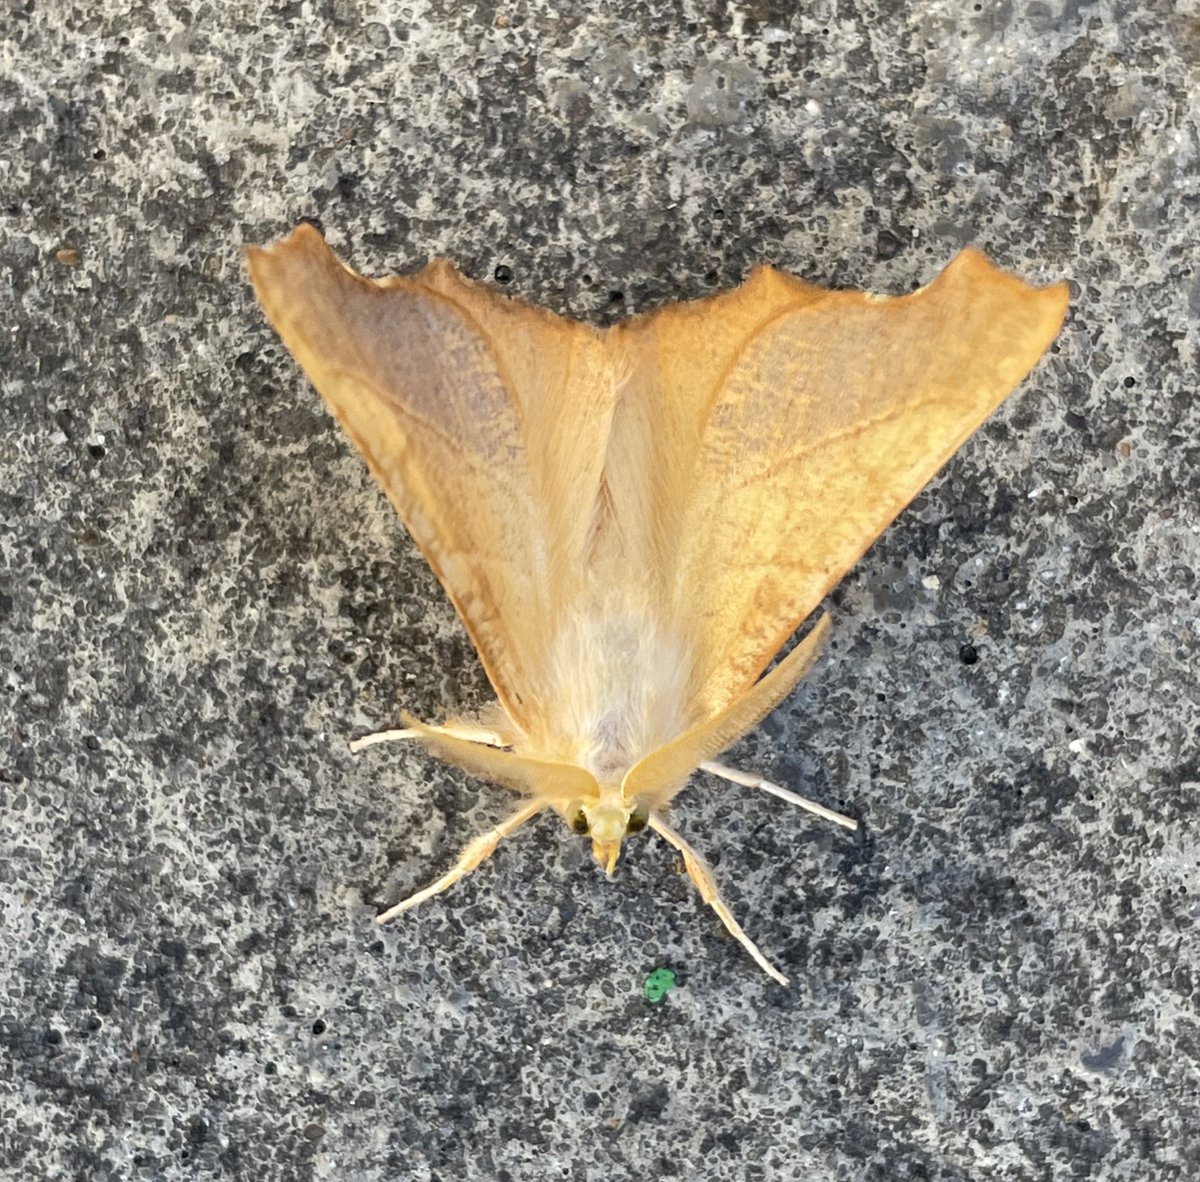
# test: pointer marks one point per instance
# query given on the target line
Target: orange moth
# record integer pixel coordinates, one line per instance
(632, 522)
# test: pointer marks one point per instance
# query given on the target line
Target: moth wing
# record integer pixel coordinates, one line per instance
(544, 779)
(424, 390)
(677, 358)
(832, 417)
(655, 777)
(563, 377)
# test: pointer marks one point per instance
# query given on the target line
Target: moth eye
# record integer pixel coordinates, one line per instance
(636, 823)
(579, 823)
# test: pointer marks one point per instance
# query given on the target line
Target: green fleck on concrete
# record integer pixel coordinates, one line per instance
(658, 984)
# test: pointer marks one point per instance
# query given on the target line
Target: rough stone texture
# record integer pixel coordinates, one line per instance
(202, 593)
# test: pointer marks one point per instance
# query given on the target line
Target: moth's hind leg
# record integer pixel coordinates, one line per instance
(476, 852)
(751, 780)
(456, 730)
(703, 880)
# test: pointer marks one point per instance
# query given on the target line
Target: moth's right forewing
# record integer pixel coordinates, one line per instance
(548, 780)
(418, 390)
(564, 377)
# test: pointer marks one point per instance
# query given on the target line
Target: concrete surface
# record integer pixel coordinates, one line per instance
(202, 594)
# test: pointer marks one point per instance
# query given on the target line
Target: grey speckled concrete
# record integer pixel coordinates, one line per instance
(201, 594)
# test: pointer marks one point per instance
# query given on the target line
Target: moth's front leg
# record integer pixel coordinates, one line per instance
(476, 852)
(703, 880)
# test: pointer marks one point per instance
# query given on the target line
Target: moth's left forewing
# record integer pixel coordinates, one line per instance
(678, 358)
(829, 421)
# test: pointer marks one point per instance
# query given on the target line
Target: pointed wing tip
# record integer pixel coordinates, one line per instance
(285, 260)
(306, 245)
(765, 287)
(974, 261)
(442, 277)
(971, 266)
(441, 268)
(759, 270)
(304, 237)
(1045, 303)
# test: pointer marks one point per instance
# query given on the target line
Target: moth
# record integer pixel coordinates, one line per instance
(633, 522)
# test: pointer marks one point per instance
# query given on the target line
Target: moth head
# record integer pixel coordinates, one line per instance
(607, 821)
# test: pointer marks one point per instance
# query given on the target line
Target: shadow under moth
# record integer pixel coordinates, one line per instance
(632, 522)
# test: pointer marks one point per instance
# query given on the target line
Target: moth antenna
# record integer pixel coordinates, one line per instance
(470, 734)
(356, 745)
(476, 852)
(752, 780)
(703, 880)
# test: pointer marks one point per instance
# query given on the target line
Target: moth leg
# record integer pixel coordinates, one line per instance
(751, 780)
(477, 851)
(702, 878)
(471, 734)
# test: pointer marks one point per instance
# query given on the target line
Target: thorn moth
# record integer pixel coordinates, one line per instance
(631, 523)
